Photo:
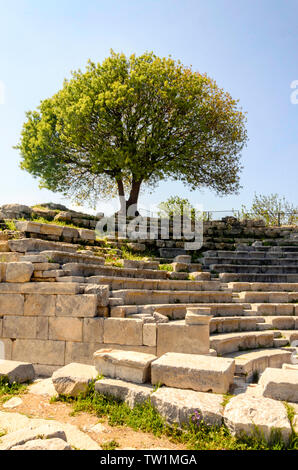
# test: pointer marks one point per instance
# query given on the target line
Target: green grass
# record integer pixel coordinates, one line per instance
(143, 417)
(7, 390)
(110, 445)
(166, 267)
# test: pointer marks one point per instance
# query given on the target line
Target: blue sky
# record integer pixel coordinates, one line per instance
(248, 47)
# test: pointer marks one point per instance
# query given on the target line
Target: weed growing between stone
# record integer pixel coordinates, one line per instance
(196, 436)
(7, 389)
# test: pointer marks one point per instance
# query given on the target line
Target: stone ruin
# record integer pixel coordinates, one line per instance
(201, 330)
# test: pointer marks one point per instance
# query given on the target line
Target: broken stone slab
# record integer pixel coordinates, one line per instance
(246, 413)
(73, 379)
(129, 392)
(44, 444)
(17, 371)
(290, 366)
(193, 371)
(179, 405)
(160, 318)
(126, 365)
(20, 437)
(43, 387)
(280, 384)
(19, 272)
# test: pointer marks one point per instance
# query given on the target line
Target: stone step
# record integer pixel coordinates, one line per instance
(216, 256)
(274, 309)
(251, 362)
(144, 297)
(252, 262)
(63, 258)
(24, 245)
(263, 326)
(232, 342)
(117, 283)
(280, 342)
(178, 311)
(282, 322)
(292, 248)
(254, 269)
(233, 324)
(257, 278)
(290, 335)
(87, 270)
(268, 297)
(262, 286)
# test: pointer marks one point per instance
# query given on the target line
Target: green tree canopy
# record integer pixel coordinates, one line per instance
(131, 121)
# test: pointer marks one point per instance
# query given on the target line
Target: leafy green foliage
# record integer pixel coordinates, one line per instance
(7, 389)
(273, 209)
(134, 120)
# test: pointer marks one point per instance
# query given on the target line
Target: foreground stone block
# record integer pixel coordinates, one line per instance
(126, 365)
(17, 371)
(20, 437)
(244, 413)
(19, 272)
(73, 379)
(79, 306)
(44, 444)
(196, 372)
(280, 384)
(178, 406)
(131, 393)
(39, 351)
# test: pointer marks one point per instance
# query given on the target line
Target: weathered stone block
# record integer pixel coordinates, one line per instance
(73, 379)
(17, 371)
(45, 288)
(178, 406)
(11, 304)
(280, 384)
(130, 393)
(125, 365)
(193, 371)
(80, 352)
(182, 338)
(42, 327)
(244, 413)
(39, 351)
(84, 305)
(19, 272)
(19, 327)
(123, 331)
(40, 305)
(93, 330)
(149, 334)
(66, 329)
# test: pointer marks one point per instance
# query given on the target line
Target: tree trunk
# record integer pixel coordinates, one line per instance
(129, 207)
(132, 203)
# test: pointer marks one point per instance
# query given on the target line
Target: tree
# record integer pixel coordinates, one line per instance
(273, 208)
(175, 205)
(132, 121)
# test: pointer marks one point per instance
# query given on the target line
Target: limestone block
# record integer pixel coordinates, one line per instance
(39, 351)
(123, 331)
(4, 247)
(65, 329)
(290, 366)
(149, 334)
(80, 352)
(84, 305)
(93, 330)
(125, 365)
(160, 318)
(130, 393)
(103, 293)
(20, 437)
(136, 246)
(194, 371)
(180, 267)
(19, 272)
(198, 316)
(40, 305)
(11, 304)
(42, 328)
(27, 226)
(73, 379)
(70, 233)
(6, 348)
(44, 444)
(200, 276)
(183, 259)
(17, 371)
(87, 234)
(50, 229)
(244, 412)
(178, 406)
(19, 327)
(45, 288)
(280, 384)
(179, 337)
